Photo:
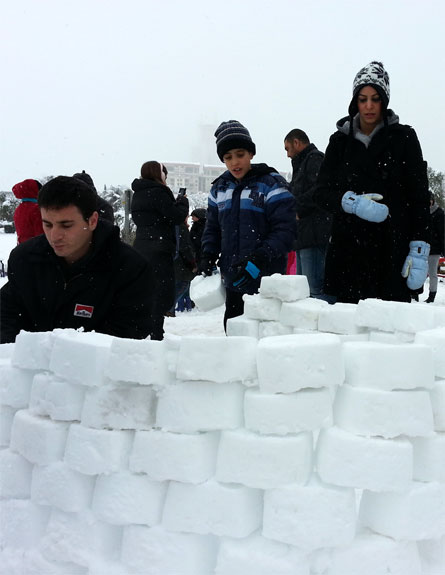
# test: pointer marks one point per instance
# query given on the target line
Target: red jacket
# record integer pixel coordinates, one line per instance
(27, 218)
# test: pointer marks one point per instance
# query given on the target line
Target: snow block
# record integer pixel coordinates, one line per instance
(243, 326)
(94, 451)
(372, 554)
(412, 317)
(310, 516)
(285, 287)
(124, 498)
(15, 385)
(6, 418)
(432, 556)
(33, 350)
(191, 406)
(139, 361)
(414, 514)
(212, 508)
(340, 319)
(302, 314)
(262, 308)
(438, 403)
(394, 338)
(367, 411)
(23, 523)
(226, 359)
(78, 537)
(119, 406)
(435, 339)
(273, 328)
(279, 414)
(39, 440)
(36, 564)
(365, 463)
(256, 555)
(60, 486)
(178, 456)
(80, 357)
(153, 550)
(291, 362)
(6, 351)
(56, 397)
(385, 366)
(439, 316)
(207, 292)
(376, 314)
(15, 475)
(429, 458)
(264, 461)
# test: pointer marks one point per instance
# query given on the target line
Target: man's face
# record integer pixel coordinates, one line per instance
(67, 232)
(292, 147)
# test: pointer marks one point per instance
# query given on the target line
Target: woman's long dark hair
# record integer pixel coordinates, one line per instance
(152, 171)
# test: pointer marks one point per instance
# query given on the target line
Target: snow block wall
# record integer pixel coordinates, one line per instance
(309, 442)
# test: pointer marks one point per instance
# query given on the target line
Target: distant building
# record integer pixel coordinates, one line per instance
(193, 176)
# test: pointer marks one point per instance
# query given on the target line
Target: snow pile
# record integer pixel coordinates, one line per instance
(309, 442)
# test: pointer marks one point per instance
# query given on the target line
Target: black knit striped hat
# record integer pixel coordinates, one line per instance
(230, 135)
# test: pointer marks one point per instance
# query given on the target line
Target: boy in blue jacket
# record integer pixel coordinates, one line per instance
(250, 219)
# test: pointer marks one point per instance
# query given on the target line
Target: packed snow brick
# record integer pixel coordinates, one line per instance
(376, 314)
(124, 498)
(310, 516)
(207, 292)
(7, 351)
(395, 338)
(285, 287)
(139, 361)
(385, 366)
(144, 551)
(264, 461)
(414, 514)
(94, 451)
(262, 308)
(439, 315)
(190, 406)
(190, 458)
(438, 403)
(32, 350)
(119, 406)
(243, 326)
(36, 564)
(15, 385)
(429, 458)
(60, 486)
(435, 339)
(340, 319)
(413, 317)
(212, 508)
(56, 397)
(23, 523)
(279, 413)
(366, 463)
(80, 357)
(273, 328)
(15, 476)
(288, 363)
(432, 556)
(302, 314)
(39, 440)
(218, 359)
(366, 411)
(372, 554)
(6, 418)
(77, 537)
(256, 555)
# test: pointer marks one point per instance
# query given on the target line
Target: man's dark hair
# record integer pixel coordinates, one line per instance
(297, 134)
(64, 191)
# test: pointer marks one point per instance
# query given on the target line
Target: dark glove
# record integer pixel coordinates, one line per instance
(247, 271)
(207, 264)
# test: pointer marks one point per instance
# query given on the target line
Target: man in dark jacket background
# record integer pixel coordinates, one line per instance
(313, 223)
(78, 275)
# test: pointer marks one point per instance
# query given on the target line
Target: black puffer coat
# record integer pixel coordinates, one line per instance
(365, 259)
(437, 230)
(314, 224)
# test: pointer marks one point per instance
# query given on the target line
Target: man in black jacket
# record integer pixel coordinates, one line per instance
(313, 223)
(78, 275)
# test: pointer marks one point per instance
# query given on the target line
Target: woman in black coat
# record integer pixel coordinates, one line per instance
(156, 213)
(437, 245)
(373, 180)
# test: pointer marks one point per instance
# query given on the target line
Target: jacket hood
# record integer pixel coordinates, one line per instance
(344, 123)
(26, 189)
(142, 184)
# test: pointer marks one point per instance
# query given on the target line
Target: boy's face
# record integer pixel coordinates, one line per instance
(237, 161)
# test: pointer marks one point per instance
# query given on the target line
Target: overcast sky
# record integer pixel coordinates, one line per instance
(105, 85)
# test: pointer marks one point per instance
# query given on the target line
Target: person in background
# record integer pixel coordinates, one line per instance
(373, 181)
(156, 213)
(185, 269)
(104, 209)
(250, 219)
(27, 218)
(437, 245)
(313, 224)
(199, 217)
(79, 274)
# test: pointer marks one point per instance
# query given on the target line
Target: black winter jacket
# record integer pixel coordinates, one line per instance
(196, 232)
(185, 260)
(108, 290)
(313, 224)
(365, 259)
(437, 231)
(156, 212)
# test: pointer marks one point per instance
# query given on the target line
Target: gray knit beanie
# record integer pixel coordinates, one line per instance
(375, 75)
(230, 135)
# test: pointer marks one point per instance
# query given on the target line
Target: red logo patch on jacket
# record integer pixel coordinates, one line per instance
(81, 310)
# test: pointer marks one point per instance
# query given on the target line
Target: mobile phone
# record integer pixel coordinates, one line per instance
(182, 191)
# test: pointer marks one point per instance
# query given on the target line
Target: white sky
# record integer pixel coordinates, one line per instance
(104, 85)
